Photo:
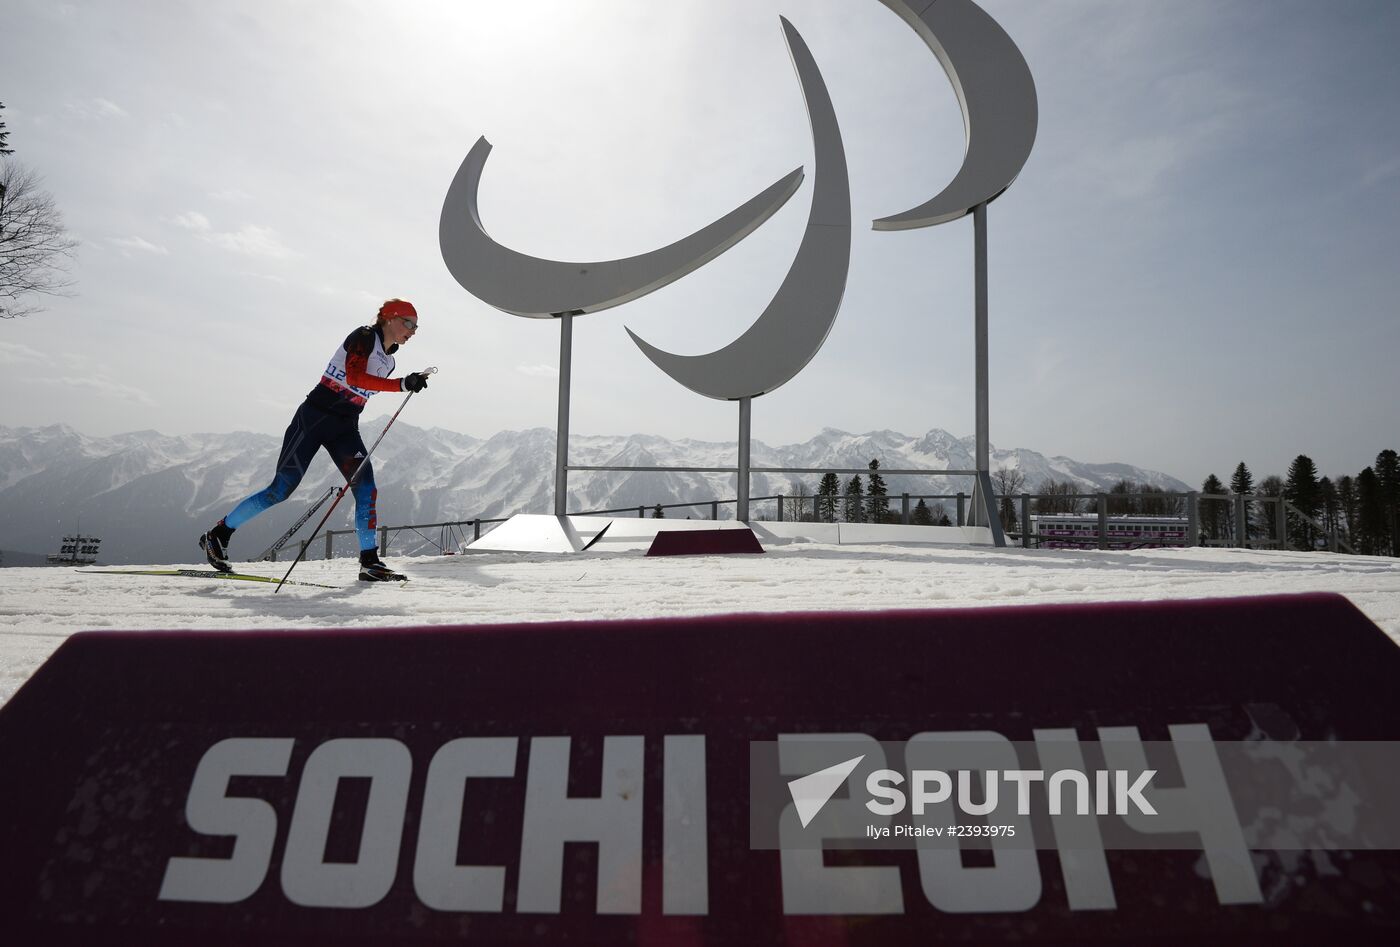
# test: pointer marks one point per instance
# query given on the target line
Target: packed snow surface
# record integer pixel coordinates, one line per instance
(40, 607)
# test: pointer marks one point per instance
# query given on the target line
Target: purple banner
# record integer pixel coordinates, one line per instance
(592, 782)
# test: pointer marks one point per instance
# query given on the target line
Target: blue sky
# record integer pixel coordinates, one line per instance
(1196, 266)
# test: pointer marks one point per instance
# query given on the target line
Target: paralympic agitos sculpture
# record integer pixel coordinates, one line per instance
(997, 96)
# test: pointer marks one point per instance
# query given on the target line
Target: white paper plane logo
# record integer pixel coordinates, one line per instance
(811, 793)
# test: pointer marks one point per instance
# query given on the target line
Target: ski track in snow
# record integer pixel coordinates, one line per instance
(40, 607)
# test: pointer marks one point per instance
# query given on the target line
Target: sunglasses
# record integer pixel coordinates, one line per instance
(411, 323)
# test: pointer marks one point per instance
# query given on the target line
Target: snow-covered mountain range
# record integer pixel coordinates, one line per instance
(149, 495)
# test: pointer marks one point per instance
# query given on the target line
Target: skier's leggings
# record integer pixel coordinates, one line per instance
(310, 430)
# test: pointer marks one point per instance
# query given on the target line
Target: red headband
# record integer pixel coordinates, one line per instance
(397, 308)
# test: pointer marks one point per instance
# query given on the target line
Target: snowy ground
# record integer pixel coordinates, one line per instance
(39, 607)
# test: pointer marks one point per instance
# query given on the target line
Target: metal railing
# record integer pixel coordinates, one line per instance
(1238, 528)
(459, 528)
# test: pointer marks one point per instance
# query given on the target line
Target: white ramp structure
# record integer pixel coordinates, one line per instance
(537, 532)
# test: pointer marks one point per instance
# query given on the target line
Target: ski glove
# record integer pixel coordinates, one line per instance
(415, 382)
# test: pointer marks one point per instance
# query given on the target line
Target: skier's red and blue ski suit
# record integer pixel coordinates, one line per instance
(329, 418)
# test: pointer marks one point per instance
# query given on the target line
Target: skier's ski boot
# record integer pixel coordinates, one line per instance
(214, 549)
(373, 570)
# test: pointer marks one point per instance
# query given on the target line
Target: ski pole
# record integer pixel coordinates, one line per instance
(271, 551)
(350, 482)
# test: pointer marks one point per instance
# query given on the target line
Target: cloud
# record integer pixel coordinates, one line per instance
(193, 220)
(249, 240)
(538, 371)
(137, 243)
(253, 240)
(108, 389)
(97, 108)
(109, 109)
(12, 353)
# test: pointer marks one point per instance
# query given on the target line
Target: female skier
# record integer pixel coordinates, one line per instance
(329, 418)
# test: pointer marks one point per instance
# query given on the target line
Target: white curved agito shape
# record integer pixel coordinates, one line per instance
(998, 100)
(796, 323)
(529, 286)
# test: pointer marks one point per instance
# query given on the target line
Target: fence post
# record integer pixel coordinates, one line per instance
(962, 513)
(905, 518)
(330, 535)
(1103, 521)
(384, 540)
(476, 530)
(780, 508)
(1025, 521)
(641, 512)
(1241, 523)
(714, 509)
(1193, 519)
(1281, 523)
(815, 517)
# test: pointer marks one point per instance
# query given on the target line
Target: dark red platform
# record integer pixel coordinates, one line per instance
(99, 749)
(704, 542)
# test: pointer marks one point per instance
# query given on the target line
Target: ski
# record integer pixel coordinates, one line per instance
(270, 552)
(201, 574)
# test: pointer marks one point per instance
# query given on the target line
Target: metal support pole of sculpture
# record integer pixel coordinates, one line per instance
(984, 501)
(984, 512)
(745, 430)
(561, 448)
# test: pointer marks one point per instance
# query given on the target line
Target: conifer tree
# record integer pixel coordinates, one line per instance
(1302, 490)
(657, 513)
(1348, 508)
(1331, 506)
(1370, 513)
(1243, 483)
(922, 515)
(4, 138)
(1270, 486)
(1213, 514)
(877, 504)
(855, 500)
(1388, 483)
(828, 494)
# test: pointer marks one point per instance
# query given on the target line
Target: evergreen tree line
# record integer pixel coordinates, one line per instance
(1364, 510)
(857, 501)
